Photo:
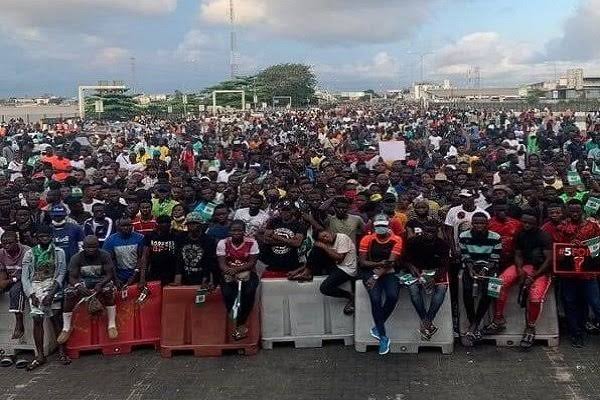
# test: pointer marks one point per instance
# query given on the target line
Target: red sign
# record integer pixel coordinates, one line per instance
(570, 259)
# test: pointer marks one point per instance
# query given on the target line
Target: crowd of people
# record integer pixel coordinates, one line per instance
(479, 197)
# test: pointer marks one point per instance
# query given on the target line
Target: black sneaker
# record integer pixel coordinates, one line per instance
(577, 341)
(593, 328)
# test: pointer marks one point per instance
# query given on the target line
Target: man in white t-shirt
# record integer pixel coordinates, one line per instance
(459, 218)
(223, 175)
(435, 139)
(254, 217)
(334, 254)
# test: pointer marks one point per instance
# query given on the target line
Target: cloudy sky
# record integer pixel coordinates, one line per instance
(52, 46)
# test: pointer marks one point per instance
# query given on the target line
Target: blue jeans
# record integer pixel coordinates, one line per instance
(381, 310)
(417, 297)
(578, 296)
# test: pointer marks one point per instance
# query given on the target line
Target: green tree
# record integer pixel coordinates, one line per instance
(118, 105)
(533, 97)
(295, 80)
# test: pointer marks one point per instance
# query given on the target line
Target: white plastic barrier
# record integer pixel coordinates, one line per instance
(9, 346)
(403, 325)
(298, 312)
(546, 327)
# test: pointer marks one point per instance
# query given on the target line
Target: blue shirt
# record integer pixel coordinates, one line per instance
(125, 253)
(68, 237)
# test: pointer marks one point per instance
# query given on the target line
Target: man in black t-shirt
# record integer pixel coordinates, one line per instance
(197, 255)
(160, 253)
(281, 239)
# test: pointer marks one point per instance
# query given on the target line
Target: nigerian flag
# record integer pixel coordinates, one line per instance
(594, 246)
(592, 206)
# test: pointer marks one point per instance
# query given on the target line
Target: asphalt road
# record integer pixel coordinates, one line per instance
(332, 372)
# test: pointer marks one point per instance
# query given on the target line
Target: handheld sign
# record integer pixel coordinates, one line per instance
(573, 260)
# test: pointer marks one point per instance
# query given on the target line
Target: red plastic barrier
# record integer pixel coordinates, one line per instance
(274, 275)
(137, 325)
(204, 329)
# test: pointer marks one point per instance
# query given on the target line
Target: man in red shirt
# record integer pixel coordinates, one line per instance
(145, 222)
(579, 289)
(507, 228)
(555, 217)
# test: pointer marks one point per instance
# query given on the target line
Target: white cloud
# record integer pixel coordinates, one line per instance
(110, 56)
(381, 66)
(194, 47)
(326, 21)
(581, 31)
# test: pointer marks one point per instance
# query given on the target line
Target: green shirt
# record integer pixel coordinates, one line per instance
(163, 208)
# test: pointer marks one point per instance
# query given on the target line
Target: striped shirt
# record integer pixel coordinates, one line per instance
(485, 248)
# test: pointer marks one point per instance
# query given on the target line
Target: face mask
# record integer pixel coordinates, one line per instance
(548, 177)
(59, 223)
(382, 230)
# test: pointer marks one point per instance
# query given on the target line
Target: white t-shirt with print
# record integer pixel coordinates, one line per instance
(460, 220)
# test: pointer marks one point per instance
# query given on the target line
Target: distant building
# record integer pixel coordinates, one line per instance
(571, 86)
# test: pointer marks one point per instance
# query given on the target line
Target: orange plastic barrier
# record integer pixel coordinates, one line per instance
(204, 329)
(138, 325)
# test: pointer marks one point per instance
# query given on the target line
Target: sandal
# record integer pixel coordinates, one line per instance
(494, 328)
(240, 334)
(64, 359)
(468, 339)
(6, 362)
(528, 338)
(349, 309)
(35, 364)
(21, 363)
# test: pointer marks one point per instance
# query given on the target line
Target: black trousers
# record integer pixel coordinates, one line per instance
(475, 314)
(321, 264)
(230, 292)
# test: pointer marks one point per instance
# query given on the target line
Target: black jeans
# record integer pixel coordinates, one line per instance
(475, 316)
(331, 285)
(230, 292)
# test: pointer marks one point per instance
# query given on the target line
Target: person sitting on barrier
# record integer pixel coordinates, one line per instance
(533, 260)
(196, 264)
(237, 256)
(427, 257)
(281, 240)
(90, 277)
(334, 255)
(11, 258)
(44, 270)
(160, 253)
(126, 248)
(480, 251)
(379, 253)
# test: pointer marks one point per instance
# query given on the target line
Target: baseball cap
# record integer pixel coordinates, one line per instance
(58, 211)
(465, 193)
(381, 220)
(213, 169)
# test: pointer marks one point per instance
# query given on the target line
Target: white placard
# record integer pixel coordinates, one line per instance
(392, 150)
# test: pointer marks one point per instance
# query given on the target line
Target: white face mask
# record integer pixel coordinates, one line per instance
(59, 223)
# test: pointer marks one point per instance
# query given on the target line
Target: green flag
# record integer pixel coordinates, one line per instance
(574, 178)
(592, 206)
(594, 246)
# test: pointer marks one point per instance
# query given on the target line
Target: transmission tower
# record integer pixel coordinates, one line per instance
(233, 42)
(133, 83)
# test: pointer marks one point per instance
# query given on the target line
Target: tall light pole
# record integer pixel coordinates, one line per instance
(232, 42)
(422, 57)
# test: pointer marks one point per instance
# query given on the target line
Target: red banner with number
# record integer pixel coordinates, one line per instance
(570, 259)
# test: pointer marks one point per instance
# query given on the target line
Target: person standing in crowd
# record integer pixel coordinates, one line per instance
(11, 258)
(580, 292)
(379, 253)
(145, 222)
(253, 216)
(480, 251)
(237, 255)
(67, 235)
(343, 222)
(160, 253)
(43, 274)
(99, 225)
(126, 248)
(196, 264)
